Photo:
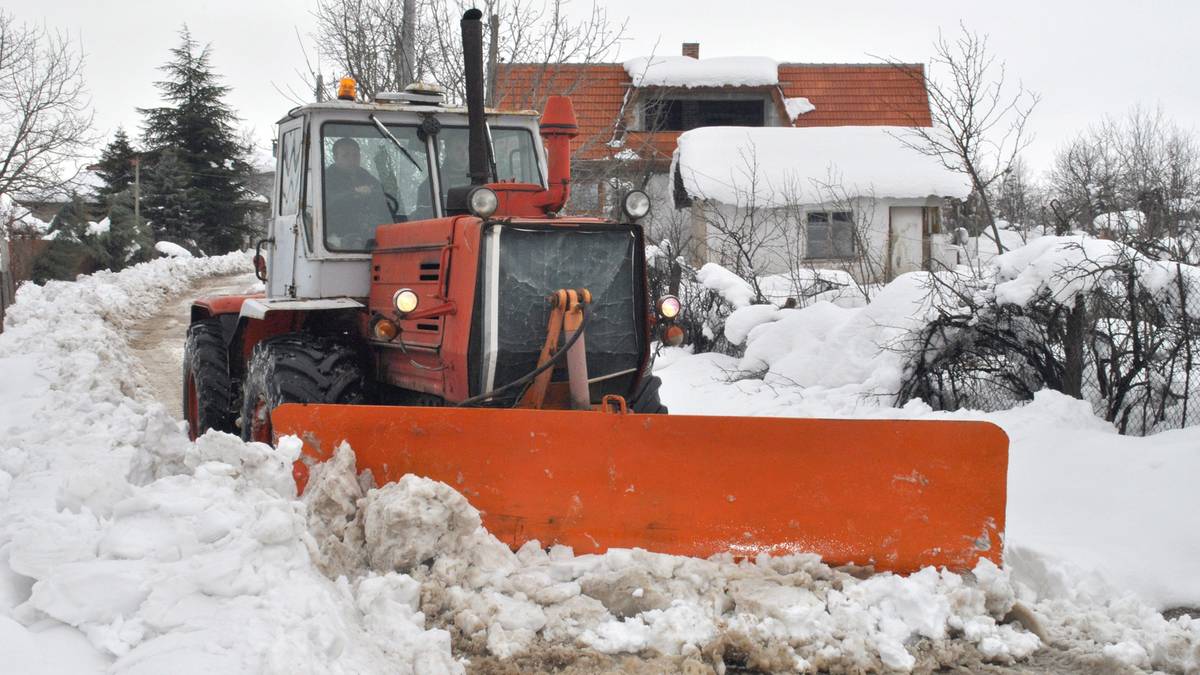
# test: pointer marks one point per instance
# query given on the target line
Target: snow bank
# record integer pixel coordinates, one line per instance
(685, 71)
(717, 162)
(792, 611)
(168, 556)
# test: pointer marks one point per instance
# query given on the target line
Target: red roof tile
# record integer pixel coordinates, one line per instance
(844, 95)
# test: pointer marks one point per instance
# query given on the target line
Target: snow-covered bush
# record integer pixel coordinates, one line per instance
(1092, 318)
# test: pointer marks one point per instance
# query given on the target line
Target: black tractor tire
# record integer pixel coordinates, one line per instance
(645, 400)
(298, 368)
(208, 391)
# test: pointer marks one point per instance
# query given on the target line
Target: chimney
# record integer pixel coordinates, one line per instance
(691, 49)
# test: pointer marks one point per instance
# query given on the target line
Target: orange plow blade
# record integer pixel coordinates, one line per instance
(898, 495)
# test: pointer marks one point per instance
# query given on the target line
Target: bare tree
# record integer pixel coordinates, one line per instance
(979, 119)
(386, 44)
(45, 112)
(372, 40)
(748, 235)
(1142, 164)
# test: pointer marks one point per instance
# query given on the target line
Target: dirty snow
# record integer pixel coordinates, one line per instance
(685, 71)
(795, 165)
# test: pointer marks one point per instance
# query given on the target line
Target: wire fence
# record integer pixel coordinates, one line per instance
(1128, 343)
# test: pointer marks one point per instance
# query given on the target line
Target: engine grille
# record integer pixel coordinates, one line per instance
(521, 267)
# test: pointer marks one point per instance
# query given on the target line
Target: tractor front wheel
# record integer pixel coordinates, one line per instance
(297, 368)
(207, 387)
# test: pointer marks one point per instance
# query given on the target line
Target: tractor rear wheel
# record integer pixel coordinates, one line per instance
(297, 368)
(207, 387)
(645, 400)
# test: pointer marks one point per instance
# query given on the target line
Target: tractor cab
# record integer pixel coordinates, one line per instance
(343, 168)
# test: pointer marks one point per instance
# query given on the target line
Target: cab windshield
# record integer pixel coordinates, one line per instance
(369, 181)
(516, 159)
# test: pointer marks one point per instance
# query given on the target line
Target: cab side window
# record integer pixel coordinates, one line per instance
(289, 173)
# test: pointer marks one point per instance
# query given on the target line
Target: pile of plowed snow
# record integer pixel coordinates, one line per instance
(172, 556)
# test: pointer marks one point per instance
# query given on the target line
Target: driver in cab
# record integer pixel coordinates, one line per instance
(354, 200)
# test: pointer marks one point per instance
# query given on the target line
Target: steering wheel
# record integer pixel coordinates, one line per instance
(393, 205)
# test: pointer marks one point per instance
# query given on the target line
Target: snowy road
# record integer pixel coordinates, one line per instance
(125, 547)
(158, 342)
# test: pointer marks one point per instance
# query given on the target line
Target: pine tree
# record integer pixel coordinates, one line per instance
(115, 167)
(128, 240)
(169, 200)
(197, 126)
(67, 254)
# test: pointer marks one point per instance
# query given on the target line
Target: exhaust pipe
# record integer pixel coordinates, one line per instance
(472, 46)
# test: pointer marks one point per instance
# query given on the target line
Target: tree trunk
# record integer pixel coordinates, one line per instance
(1072, 384)
(408, 38)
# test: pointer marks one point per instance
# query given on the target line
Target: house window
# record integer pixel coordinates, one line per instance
(829, 234)
(684, 114)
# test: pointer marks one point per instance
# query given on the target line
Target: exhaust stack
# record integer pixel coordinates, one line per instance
(472, 45)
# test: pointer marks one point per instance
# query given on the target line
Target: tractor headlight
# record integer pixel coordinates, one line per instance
(636, 204)
(483, 202)
(405, 300)
(669, 307)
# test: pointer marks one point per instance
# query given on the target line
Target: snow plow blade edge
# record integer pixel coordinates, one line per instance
(897, 495)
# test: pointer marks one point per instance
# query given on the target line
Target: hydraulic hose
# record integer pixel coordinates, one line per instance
(528, 377)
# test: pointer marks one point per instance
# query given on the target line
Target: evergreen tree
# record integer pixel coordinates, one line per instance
(127, 241)
(197, 126)
(169, 200)
(115, 167)
(67, 254)
(71, 221)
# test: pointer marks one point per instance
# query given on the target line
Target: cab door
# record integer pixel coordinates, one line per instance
(287, 228)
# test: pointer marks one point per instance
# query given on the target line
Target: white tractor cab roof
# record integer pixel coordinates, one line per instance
(384, 107)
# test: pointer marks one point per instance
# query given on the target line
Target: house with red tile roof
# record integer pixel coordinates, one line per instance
(632, 117)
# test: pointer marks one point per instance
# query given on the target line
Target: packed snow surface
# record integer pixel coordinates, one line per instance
(126, 547)
(780, 166)
(685, 71)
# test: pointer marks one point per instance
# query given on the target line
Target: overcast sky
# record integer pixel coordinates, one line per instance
(1085, 58)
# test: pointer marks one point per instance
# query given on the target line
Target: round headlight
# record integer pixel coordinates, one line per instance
(669, 307)
(636, 204)
(405, 300)
(483, 202)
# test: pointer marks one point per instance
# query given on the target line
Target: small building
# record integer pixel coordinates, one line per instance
(777, 201)
(634, 115)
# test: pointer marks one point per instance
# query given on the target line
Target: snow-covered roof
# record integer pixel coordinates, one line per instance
(685, 71)
(797, 165)
(17, 218)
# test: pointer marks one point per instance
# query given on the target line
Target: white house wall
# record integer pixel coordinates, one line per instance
(782, 237)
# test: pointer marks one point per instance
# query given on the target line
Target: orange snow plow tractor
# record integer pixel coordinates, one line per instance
(427, 301)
